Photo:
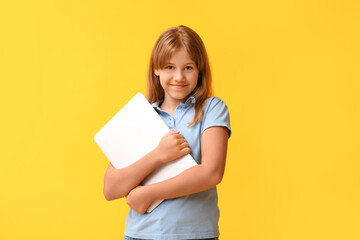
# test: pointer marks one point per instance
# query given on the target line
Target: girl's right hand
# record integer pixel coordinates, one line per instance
(172, 146)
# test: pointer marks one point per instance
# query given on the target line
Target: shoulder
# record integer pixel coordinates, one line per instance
(214, 104)
(213, 99)
(216, 113)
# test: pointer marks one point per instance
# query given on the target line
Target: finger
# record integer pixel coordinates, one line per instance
(171, 132)
(184, 145)
(186, 150)
(179, 136)
(181, 141)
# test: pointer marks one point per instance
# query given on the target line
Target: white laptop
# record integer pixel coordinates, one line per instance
(132, 133)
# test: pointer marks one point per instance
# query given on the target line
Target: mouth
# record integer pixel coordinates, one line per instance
(178, 85)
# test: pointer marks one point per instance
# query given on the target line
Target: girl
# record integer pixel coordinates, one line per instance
(179, 88)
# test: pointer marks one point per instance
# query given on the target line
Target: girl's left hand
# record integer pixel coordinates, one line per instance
(138, 200)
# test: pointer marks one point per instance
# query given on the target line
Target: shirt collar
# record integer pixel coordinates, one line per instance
(191, 99)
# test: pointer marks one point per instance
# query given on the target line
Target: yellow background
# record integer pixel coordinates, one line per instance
(289, 72)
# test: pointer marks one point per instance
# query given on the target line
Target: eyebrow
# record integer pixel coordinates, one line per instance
(185, 63)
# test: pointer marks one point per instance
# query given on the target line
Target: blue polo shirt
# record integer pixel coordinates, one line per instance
(194, 216)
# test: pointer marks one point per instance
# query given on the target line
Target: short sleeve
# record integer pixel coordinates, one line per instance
(216, 113)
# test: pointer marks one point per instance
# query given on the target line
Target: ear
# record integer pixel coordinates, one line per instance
(156, 72)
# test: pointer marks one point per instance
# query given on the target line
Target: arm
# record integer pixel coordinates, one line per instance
(119, 182)
(195, 179)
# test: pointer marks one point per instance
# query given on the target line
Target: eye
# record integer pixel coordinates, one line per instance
(188, 68)
(169, 67)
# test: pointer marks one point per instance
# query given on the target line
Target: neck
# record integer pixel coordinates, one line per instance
(170, 105)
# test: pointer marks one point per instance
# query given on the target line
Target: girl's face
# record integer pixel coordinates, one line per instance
(179, 77)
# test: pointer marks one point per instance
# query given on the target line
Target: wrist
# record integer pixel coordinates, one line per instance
(149, 193)
(158, 156)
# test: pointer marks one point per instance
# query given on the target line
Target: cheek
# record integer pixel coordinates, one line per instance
(195, 79)
(163, 82)
(163, 76)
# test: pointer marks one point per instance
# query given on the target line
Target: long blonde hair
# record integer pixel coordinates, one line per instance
(169, 42)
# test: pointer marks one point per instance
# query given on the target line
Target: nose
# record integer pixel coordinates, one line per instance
(179, 75)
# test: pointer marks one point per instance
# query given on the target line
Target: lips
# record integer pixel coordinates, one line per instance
(178, 85)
